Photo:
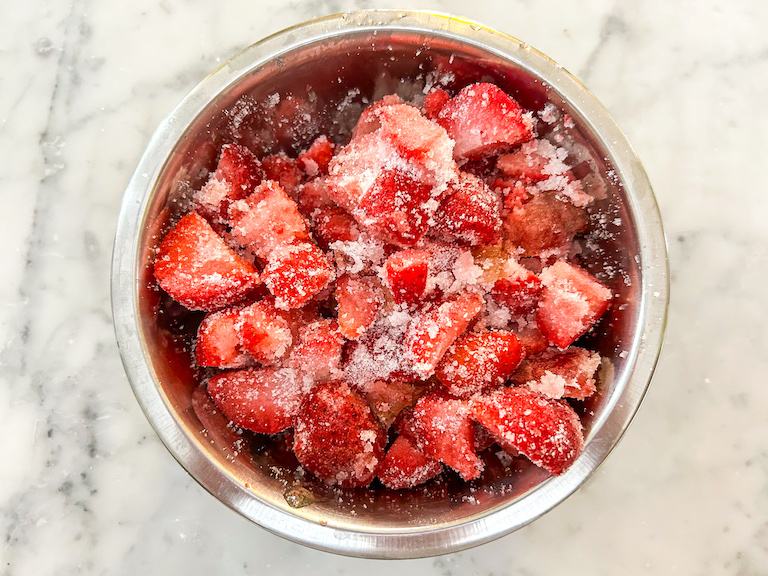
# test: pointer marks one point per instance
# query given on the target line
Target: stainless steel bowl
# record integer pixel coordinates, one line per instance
(317, 64)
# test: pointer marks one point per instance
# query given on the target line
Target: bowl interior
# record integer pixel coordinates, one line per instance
(320, 87)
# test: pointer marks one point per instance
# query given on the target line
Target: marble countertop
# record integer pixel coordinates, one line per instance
(85, 485)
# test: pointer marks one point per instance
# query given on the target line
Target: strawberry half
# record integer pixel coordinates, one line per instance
(405, 467)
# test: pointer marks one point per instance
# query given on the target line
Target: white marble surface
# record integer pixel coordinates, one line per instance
(86, 487)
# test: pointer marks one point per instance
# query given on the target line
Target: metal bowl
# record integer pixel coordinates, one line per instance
(330, 67)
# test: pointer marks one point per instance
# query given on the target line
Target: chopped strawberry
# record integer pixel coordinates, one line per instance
(415, 137)
(369, 119)
(405, 467)
(334, 225)
(571, 302)
(218, 343)
(236, 176)
(434, 102)
(295, 273)
(518, 289)
(283, 170)
(314, 161)
(525, 164)
(432, 332)
(359, 301)
(560, 373)
(263, 400)
(198, 270)
(548, 432)
(336, 436)
(513, 194)
(478, 362)
(263, 332)
(406, 274)
(390, 397)
(312, 196)
(544, 224)
(532, 340)
(267, 219)
(318, 352)
(441, 428)
(483, 120)
(470, 212)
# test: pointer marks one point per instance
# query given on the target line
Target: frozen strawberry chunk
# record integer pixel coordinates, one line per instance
(571, 302)
(406, 273)
(334, 225)
(518, 289)
(359, 301)
(267, 219)
(218, 343)
(336, 436)
(283, 170)
(432, 332)
(441, 428)
(198, 270)
(263, 332)
(560, 373)
(318, 352)
(544, 224)
(547, 432)
(470, 212)
(405, 467)
(314, 161)
(479, 361)
(263, 400)
(312, 196)
(390, 397)
(236, 176)
(483, 120)
(434, 102)
(295, 273)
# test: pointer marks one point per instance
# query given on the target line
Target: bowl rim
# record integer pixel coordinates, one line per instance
(408, 542)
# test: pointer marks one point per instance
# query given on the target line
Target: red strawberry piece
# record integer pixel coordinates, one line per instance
(312, 196)
(478, 362)
(295, 273)
(267, 219)
(434, 102)
(518, 289)
(390, 397)
(532, 340)
(571, 302)
(318, 352)
(560, 373)
(470, 212)
(336, 436)
(432, 332)
(406, 274)
(544, 224)
(314, 161)
(198, 270)
(264, 332)
(513, 194)
(441, 428)
(359, 300)
(525, 164)
(218, 343)
(483, 121)
(369, 120)
(334, 225)
(548, 432)
(415, 137)
(263, 400)
(284, 170)
(405, 467)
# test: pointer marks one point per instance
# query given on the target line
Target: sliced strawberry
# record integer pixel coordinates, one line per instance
(318, 352)
(560, 373)
(478, 362)
(263, 332)
(334, 225)
(359, 301)
(314, 161)
(312, 196)
(441, 428)
(518, 289)
(405, 467)
(267, 219)
(432, 332)
(390, 397)
(336, 436)
(295, 273)
(483, 120)
(283, 170)
(548, 432)
(434, 102)
(218, 343)
(470, 212)
(198, 270)
(406, 274)
(263, 400)
(571, 302)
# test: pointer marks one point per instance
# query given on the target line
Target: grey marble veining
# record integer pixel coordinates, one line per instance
(86, 487)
